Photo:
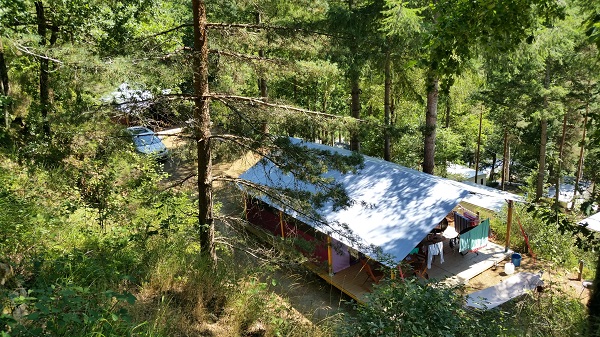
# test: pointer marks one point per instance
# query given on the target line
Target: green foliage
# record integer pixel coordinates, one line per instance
(410, 308)
(552, 237)
(548, 313)
(69, 310)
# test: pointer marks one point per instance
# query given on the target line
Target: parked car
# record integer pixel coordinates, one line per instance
(147, 142)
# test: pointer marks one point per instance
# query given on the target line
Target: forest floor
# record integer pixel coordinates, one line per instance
(310, 295)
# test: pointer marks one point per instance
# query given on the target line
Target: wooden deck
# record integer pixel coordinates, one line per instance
(459, 269)
(352, 281)
(456, 269)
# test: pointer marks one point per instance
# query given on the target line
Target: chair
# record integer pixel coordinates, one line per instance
(420, 270)
(374, 275)
(420, 264)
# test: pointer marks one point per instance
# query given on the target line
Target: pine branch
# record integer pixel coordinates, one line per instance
(275, 195)
(257, 101)
(237, 25)
(247, 57)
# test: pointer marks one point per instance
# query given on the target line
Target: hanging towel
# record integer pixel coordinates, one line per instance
(435, 249)
(475, 238)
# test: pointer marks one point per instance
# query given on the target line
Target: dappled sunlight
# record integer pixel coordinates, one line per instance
(393, 207)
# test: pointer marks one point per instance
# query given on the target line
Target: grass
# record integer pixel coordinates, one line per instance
(132, 276)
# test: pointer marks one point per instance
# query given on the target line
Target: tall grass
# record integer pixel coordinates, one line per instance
(140, 273)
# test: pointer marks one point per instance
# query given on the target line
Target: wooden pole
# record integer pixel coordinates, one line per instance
(508, 224)
(579, 277)
(281, 224)
(504, 161)
(329, 256)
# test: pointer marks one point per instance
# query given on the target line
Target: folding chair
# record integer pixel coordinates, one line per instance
(374, 275)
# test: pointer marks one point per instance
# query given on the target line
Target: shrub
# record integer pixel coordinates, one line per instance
(410, 308)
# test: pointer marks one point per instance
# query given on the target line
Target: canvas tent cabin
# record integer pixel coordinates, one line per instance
(567, 193)
(488, 201)
(395, 209)
(593, 222)
(467, 174)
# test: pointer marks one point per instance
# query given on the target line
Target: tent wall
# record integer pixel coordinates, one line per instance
(340, 257)
(307, 240)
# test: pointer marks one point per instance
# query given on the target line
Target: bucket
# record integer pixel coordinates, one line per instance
(516, 259)
(509, 268)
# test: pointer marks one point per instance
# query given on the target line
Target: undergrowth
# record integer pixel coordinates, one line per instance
(96, 247)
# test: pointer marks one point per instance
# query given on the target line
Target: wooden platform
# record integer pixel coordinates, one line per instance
(352, 281)
(456, 269)
(459, 269)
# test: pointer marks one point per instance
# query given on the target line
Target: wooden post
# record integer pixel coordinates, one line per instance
(281, 224)
(329, 256)
(579, 276)
(508, 224)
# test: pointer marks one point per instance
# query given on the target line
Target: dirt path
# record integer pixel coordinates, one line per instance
(551, 276)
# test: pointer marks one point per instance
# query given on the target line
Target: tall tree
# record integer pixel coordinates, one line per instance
(202, 132)
(495, 25)
(4, 87)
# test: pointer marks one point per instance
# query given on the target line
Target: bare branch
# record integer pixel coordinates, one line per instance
(180, 182)
(26, 50)
(258, 101)
(165, 31)
(236, 25)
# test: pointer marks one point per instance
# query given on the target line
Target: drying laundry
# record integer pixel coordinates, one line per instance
(435, 249)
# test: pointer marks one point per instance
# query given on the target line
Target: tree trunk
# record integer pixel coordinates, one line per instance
(430, 122)
(355, 110)
(504, 161)
(493, 170)
(447, 124)
(202, 131)
(539, 191)
(581, 151)
(478, 148)
(4, 87)
(387, 151)
(44, 65)
(560, 158)
(262, 82)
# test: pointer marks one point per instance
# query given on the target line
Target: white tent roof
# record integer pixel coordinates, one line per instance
(592, 222)
(488, 197)
(395, 208)
(464, 171)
